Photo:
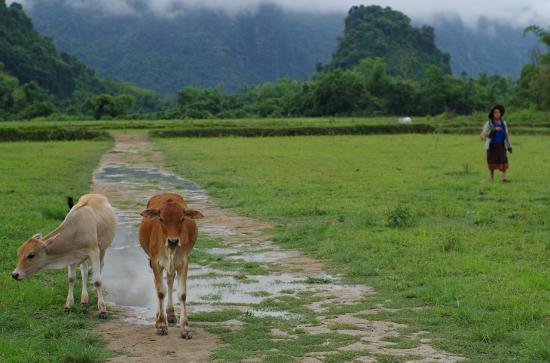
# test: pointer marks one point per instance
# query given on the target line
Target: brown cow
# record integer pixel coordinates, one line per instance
(167, 234)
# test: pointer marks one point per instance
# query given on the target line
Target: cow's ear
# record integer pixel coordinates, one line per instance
(37, 236)
(193, 214)
(151, 213)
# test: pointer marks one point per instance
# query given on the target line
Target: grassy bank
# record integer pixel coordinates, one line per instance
(55, 133)
(298, 131)
(35, 179)
(412, 215)
(206, 124)
(448, 123)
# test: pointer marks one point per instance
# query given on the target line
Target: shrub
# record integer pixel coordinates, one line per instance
(452, 241)
(399, 216)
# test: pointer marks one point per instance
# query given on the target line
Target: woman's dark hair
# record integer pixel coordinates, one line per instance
(496, 107)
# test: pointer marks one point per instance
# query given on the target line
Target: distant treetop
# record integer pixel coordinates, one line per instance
(377, 32)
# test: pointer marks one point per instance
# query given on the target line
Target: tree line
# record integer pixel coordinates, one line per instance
(370, 89)
(365, 90)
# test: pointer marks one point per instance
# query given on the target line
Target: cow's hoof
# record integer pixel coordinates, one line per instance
(103, 315)
(162, 331)
(84, 303)
(172, 319)
(186, 335)
(67, 309)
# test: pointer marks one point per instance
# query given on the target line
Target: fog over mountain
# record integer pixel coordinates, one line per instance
(514, 12)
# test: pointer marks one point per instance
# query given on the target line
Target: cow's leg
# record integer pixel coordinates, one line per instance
(160, 324)
(184, 323)
(101, 258)
(84, 273)
(96, 276)
(70, 296)
(170, 308)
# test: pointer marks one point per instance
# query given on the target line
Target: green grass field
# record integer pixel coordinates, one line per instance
(35, 179)
(412, 215)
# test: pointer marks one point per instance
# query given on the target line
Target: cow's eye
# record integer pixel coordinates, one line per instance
(30, 256)
(182, 219)
(161, 220)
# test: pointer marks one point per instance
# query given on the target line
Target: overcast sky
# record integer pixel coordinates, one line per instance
(518, 12)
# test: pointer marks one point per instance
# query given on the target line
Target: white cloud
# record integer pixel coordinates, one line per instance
(517, 12)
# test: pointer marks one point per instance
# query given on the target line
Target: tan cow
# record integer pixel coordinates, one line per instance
(86, 233)
(167, 234)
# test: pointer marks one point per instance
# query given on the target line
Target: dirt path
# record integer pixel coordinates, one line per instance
(133, 172)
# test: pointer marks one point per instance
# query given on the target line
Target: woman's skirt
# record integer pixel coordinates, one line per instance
(496, 157)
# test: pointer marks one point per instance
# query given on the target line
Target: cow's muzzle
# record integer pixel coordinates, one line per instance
(173, 242)
(15, 276)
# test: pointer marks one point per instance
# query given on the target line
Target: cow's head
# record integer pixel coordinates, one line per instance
(31, 258)
(171, 217)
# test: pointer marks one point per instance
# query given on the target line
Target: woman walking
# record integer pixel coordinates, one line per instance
(497, 142)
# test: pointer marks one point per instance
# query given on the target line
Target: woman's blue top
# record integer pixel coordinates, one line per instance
(499, 136)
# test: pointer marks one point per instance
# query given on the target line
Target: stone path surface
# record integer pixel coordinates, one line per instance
(133, 172)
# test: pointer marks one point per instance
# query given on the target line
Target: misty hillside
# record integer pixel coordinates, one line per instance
(37, 80)
(491, 48)
(377, 32)
(29, 56)
(201, 48)
(206, 47)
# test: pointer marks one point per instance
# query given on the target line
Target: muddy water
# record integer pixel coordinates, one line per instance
(128, 278)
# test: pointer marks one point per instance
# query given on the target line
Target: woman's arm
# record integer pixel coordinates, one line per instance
(507, 141)
(487, 131)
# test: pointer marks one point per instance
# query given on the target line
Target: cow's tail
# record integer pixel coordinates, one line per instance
(70, 202)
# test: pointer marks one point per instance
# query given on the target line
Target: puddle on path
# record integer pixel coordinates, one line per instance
(128, 278)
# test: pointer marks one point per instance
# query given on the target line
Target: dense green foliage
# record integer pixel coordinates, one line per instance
(107, 105)
(534, 83)
(37, 80)
(26, 101)
(420, 222)
(29, 56)
(365, 90)
(35, 179)
(376, 32)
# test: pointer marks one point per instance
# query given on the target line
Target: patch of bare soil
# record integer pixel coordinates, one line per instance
(133, 172)
(139, 343)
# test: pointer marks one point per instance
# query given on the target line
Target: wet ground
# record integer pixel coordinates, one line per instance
(234, 266)
(128, 277)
